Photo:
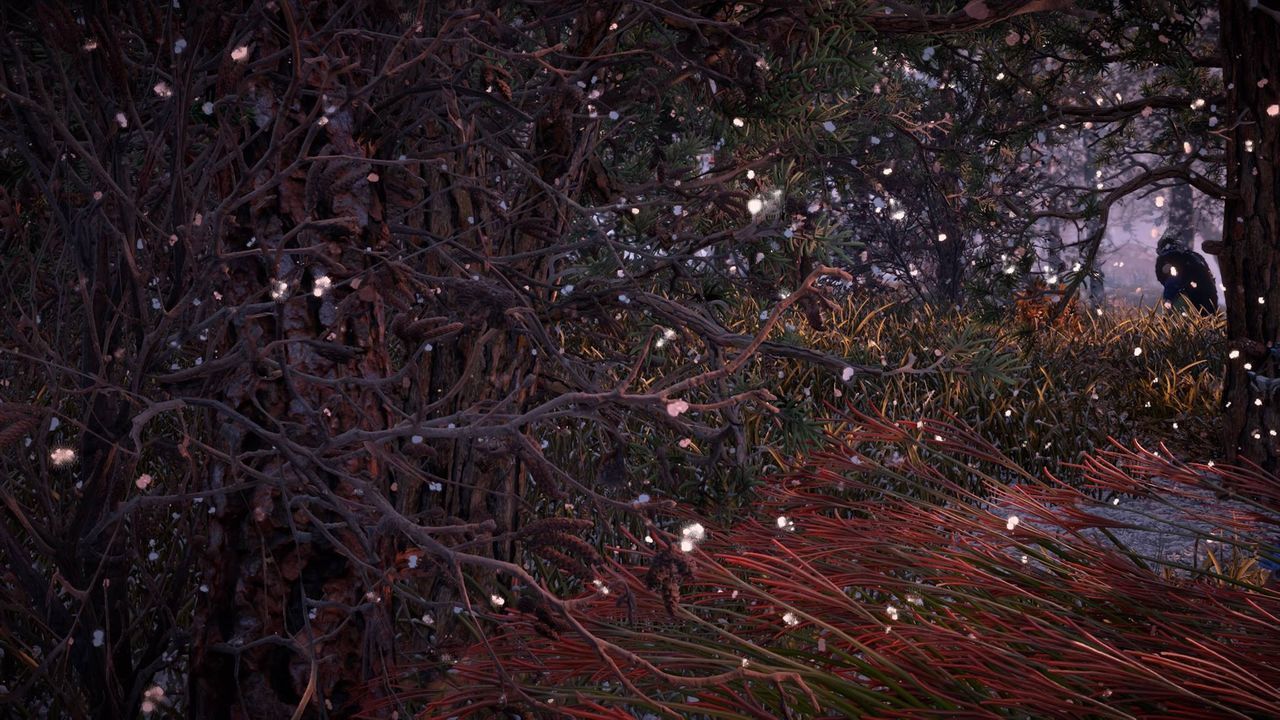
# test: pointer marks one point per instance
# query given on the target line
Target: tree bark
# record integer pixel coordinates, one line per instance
(1250, 250)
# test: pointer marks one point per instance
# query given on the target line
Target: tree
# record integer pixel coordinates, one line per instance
(316, 307)
(1249, 254)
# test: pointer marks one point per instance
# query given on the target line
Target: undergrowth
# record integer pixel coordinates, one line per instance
(859, 588)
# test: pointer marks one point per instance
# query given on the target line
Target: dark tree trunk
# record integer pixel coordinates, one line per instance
(1250, 250)
(1182, 215)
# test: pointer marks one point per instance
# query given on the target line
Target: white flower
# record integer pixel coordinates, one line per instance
(1012, 522)
(892, 612)
(1137, 351)
(240, 54)
(279, 290)
(497, 600)
(790, 618)
(782, 521)
(322, 285)
(694, 532)
(62, 456)
(755, 205)
(738, 122)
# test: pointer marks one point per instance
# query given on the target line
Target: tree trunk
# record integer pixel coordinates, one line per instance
(1250, 250)
(1182, 214)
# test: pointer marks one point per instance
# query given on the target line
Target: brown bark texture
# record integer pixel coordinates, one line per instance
(1250, 256)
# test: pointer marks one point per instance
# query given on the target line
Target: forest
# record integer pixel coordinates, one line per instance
(626, 360)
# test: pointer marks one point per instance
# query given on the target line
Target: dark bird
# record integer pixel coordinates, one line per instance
(1186, 277)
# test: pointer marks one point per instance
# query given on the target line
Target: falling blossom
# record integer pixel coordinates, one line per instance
(1137, 351)
(691, 535)
(62, 456)
(892, 612)
(162, 89)
(279, 290)
(1273, 110)
(790, 618)
(151, 698)
(755, 205)
(240, 54)
(322, 285)
(676, 407)
(1012, 522)
(144, 481)
(847, 374)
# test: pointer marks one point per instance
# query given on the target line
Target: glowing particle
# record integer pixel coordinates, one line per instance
(240, 54)
(1233, 354)
(790, 618)
(738, 122)
(755, 205)
(1012, 522)
(1137, 351)
(782, 521)
(62, 456)
(322, 285)
(1273, 110)
(162, 89)
(892, 612)
(144, 481)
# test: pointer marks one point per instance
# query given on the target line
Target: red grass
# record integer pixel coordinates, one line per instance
(1081, 628)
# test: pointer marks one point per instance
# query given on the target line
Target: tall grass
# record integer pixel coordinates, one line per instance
(866, 587)
(1043, 397)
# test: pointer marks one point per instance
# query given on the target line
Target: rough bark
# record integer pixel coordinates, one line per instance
(1250, 249)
